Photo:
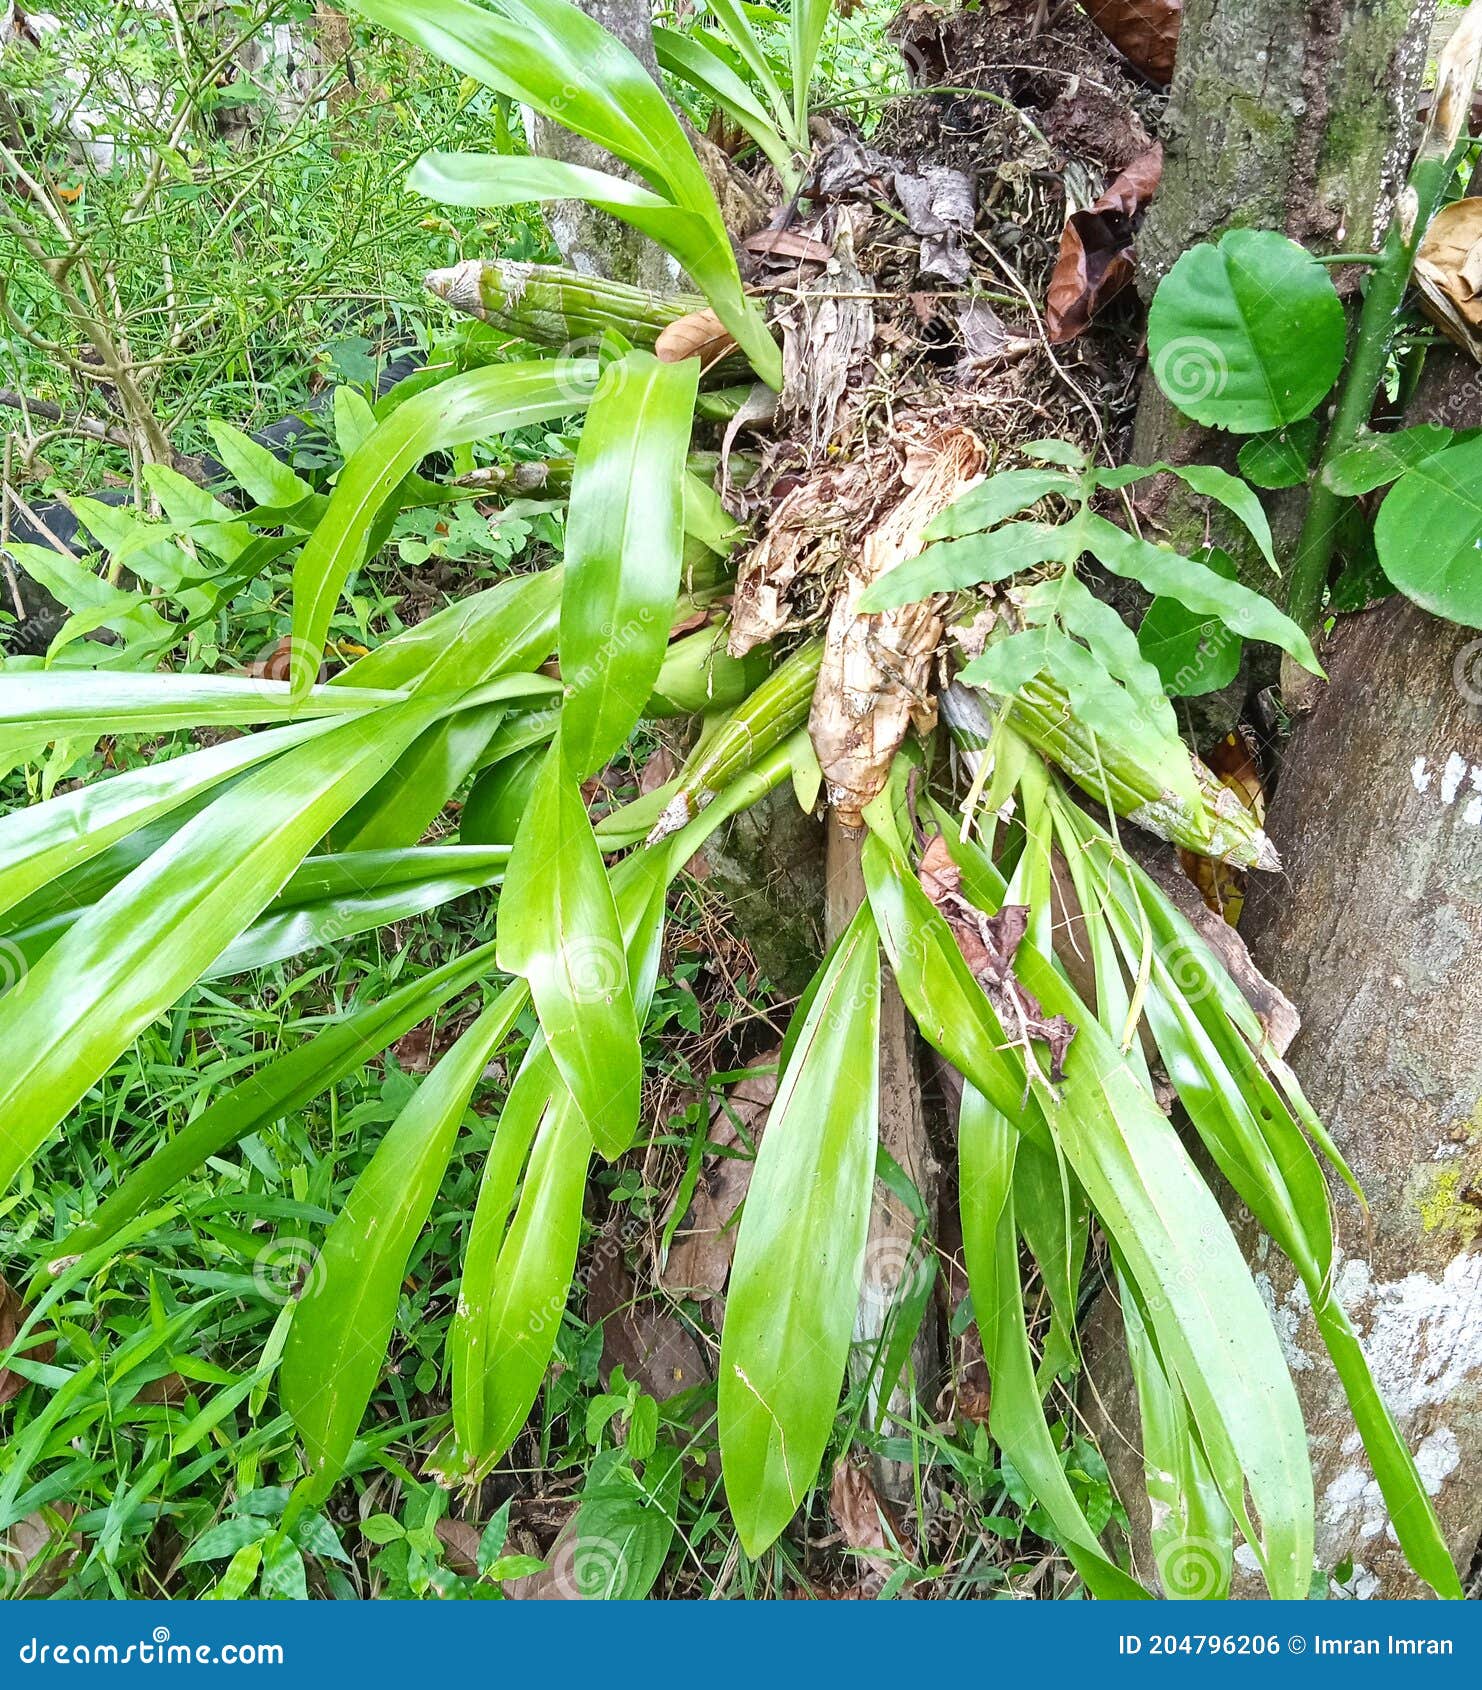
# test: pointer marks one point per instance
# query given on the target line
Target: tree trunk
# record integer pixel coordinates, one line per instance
(592, 241)
(1288, 115)
(1374, 929)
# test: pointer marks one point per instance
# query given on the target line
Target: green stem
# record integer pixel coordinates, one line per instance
(1366, 366)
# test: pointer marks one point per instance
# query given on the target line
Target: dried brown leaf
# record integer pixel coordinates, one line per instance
(988, 944)
(1096, 259)
(861, 1514)
(650, 1343)
(875, 680)
(12, 1319)
(460, 1543)
(788, 246)
(1448, 272)
(700, 335)
(699, 1261)
(1145, 32)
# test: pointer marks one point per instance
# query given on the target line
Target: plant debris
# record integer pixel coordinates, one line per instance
(1096, 259)
(988, 943)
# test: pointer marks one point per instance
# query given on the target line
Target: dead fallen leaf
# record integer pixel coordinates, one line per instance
(276, 663)
(12, 1319)
(1096, 260)
(27, 1570)
(171, 1390)
(940, 208)
(875, 680)
(660, 769)
(700, 335)
(790, 246)
(699, 1261)
(1448, 272)
(1145, 32)
(988, 944)
(860, 1514)
(460, 1543)
(649, 1343)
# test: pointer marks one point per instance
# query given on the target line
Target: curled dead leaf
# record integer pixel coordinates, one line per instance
(862, 1517)
(1096, 259)
(699, 1261)
(1144, 32)
(700, 335)
(1233, 763)
(788, 247)
(1448, 273)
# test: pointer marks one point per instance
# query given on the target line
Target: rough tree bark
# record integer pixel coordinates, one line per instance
(1284, 114)
(591, 241)
(1374, 928)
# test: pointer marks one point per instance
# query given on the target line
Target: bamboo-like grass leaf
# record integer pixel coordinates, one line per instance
(558, 926)
(338, 1338)
(624, 546)
(800, 1251)
(279, 1088)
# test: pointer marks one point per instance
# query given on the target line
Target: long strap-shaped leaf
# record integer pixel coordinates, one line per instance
(558, 926)
(692, 59)
(53, 704)
(1260, 1148)
(987, 1146)
(1211, 1325)
(160, 928)
(327, 900)
(43, 842)
(463, 409)
(800, 1251)
(624, 547)
(338, 1339)
(550, 55)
